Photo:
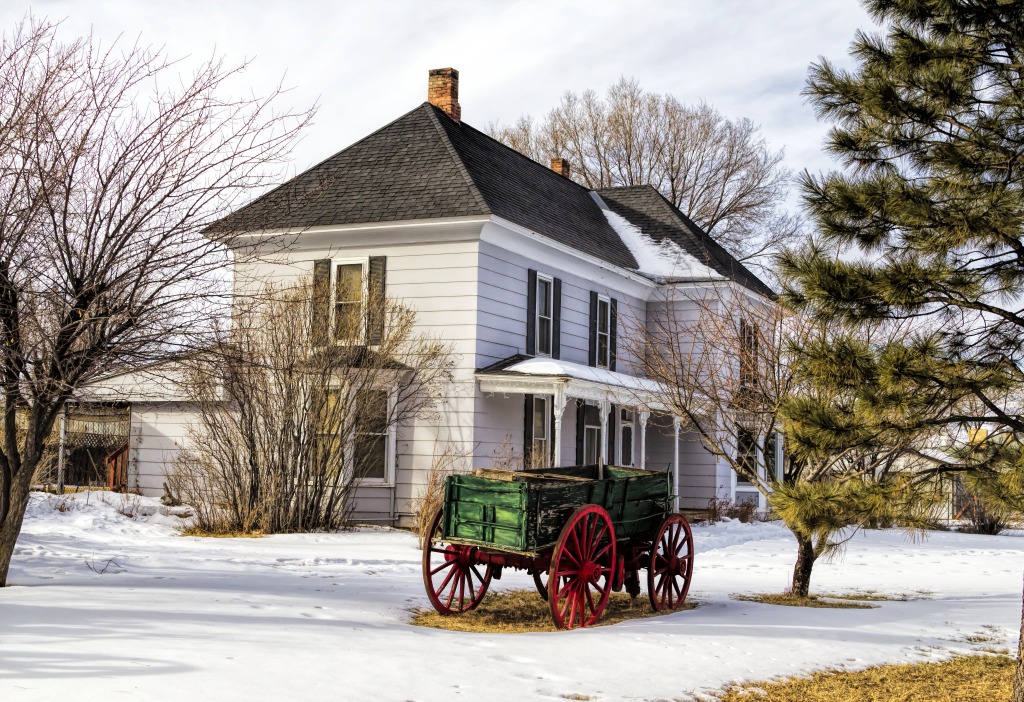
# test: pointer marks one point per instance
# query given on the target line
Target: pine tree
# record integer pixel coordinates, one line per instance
(925, 221)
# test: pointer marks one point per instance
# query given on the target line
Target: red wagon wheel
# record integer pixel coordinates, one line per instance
(455, 582)
(671, 566)
(582, 568)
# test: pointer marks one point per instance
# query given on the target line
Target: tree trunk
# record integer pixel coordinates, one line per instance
(804, 563)
(1018, 678)
(11, 527)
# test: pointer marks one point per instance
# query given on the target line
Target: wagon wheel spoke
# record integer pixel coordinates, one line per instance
(604, 549)
(446, 564)
(476, 572)
(448, 577)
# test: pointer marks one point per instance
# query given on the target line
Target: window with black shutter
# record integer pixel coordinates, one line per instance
(543, 315)
(601, 335)
(348, 304)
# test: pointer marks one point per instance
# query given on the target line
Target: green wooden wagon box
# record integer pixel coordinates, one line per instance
(526, 511)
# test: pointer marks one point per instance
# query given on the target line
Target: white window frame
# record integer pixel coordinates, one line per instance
(390, 448)
(625, 424)
(607, 334)
(545, 400)
(591, 429)
(543, 277)
(365, 263)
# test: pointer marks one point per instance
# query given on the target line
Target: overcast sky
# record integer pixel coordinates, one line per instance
(366, 62)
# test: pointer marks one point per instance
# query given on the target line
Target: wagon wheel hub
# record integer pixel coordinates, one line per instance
(590, 572)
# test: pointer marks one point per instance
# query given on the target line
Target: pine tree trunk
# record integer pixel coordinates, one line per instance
(804, 563)
(11, 527)
(1018, 678)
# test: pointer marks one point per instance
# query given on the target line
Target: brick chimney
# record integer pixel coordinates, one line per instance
(443, 91)
(561, 166)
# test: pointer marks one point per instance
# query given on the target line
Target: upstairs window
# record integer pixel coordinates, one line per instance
(604, 326)
(603, 322)
(545, 320)
(543, 314)
(748, 354)
(349, 302)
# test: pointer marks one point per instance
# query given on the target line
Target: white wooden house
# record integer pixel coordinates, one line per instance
(534, 279)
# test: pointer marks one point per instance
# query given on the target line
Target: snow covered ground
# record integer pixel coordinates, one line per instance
(325, 617)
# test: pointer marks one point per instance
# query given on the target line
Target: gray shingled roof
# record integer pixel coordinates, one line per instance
(659, 219)
(424, 165)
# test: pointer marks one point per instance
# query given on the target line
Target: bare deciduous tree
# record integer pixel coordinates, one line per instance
(721, 173)
(731, 368)
(290, 420)
(111, 166)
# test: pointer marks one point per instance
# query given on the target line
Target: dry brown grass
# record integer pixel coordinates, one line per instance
(964, 679)
(193, 531)
(819, 601)
(518, 611)
(873, 596)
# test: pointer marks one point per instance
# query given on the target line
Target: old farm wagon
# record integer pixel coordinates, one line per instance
(582, 532)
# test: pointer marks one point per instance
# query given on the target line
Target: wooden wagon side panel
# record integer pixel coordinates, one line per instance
(487, 512)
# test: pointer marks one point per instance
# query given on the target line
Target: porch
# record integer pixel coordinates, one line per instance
(610, 415)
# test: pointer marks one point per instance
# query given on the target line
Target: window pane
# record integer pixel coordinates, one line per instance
(371, 434)
(540, 409)
(372, 412)
(544, 336)
(371, 452)
(627, 445)
(592, 415)
(769, 456)
(591, 438)
(539, 455)
(348, 320)
(544, 297)
(745, 454)
(602, 350)
(602, 316)
(349, 282)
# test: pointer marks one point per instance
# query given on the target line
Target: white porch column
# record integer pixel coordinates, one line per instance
(644, 416)
(558, 407)
(675, 465)
(602, 449)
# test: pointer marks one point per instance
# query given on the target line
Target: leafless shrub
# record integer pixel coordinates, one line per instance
(294, 409)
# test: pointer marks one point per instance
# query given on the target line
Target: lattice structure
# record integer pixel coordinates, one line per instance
(95, 449)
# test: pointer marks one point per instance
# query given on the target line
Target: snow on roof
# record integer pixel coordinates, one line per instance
(551, 366)
(665, 258)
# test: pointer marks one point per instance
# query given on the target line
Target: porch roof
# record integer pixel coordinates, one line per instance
(549, 376)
